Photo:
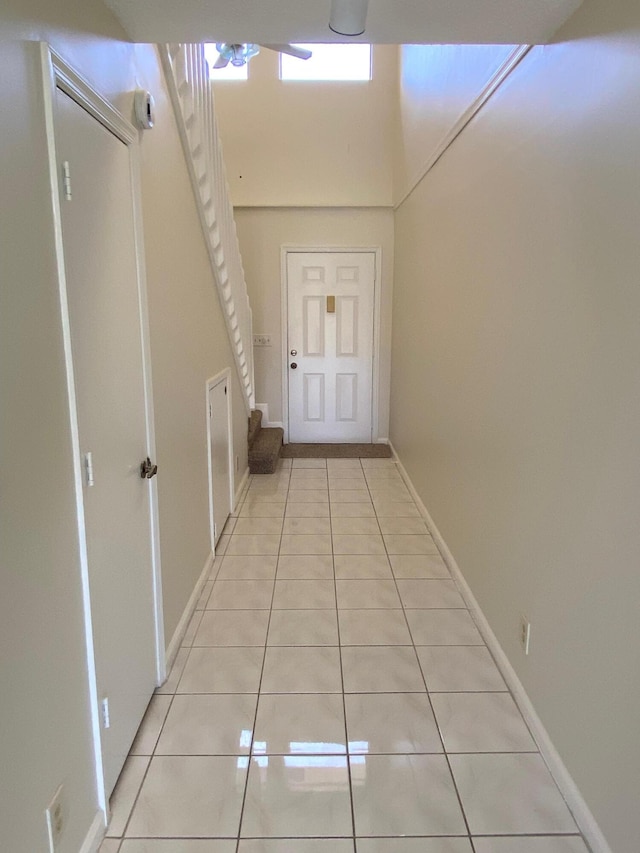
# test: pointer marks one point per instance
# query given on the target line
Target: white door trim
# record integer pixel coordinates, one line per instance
(211, 383)
(56, 73)
(284, 323)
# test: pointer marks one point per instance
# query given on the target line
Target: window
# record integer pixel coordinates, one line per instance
(231, 72)
(329, 62)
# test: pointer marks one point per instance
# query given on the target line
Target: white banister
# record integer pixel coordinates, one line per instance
(187, 75)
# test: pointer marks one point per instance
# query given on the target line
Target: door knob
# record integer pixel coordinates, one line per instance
(293, 365)
(147, 470)
(294, 352)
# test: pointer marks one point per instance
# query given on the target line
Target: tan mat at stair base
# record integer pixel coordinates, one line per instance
(336, 451)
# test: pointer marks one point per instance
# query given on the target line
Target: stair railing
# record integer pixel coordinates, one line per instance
(187, 75)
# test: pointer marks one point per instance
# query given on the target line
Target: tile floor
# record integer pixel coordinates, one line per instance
(333, 694)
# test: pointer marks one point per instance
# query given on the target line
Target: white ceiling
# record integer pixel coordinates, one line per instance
(388, 21)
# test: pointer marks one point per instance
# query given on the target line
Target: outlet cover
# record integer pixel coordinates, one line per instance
(56, 819)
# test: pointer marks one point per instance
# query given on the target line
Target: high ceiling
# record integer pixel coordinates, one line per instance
(388, 21)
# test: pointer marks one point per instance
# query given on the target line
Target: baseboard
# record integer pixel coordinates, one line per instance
(264, 408)
(241, 487)
(95, 836)
(183, 624)
(581, 812)
(382, 440)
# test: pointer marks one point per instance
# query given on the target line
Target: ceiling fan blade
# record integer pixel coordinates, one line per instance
(290, 50)
(221, 62)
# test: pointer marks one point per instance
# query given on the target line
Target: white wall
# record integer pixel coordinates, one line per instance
(309, 144)
(261, 234)
(44, 724)
(515, 377)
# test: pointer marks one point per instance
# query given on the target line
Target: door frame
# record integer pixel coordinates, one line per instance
(58, 74)
(211, 383)
(287, 249)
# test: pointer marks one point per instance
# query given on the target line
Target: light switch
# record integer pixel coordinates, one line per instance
(262, 340)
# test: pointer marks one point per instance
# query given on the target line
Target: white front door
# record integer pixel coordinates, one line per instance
(330, 345)
(101, 272)
(219, 455)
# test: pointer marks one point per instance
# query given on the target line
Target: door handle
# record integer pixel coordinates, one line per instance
(293, 365)
(147, 470)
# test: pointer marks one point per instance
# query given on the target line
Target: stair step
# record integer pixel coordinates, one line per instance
(255, 425)
(265, 452)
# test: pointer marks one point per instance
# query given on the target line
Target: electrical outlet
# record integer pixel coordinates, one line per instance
(262, 340)
(55, 814)
(525, 634)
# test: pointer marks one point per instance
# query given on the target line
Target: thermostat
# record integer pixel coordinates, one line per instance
(143, 105)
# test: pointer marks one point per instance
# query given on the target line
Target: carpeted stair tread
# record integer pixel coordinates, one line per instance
(255, 424)
(265, 452)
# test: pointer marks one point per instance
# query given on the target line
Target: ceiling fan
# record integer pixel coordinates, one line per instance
(240, 54)
(348, 18)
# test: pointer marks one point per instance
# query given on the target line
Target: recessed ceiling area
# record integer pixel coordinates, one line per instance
(388, 21)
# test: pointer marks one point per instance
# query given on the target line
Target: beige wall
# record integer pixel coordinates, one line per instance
(515, 377)
(44, 712)
(189, 344)
(309, 144)
(45, 726)
(316, 165)
(438, 85)
(262, 233)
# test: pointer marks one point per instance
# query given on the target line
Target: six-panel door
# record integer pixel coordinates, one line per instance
(330, 342)
(98, 227)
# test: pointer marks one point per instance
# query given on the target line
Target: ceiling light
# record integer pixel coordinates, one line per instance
(348, 17)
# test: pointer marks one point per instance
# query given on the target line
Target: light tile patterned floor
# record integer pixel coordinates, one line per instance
(333, 694)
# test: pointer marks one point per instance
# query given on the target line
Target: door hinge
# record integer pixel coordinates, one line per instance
(104, 712)
(225, 390)
(66, 180)
(88, 468)
(210, 410)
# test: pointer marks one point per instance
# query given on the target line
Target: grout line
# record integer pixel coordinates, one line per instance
(255, 718)
(344, 701)
(334, 645)
(144, 777)
(325, 692)
(444, 750)
(543, 835)
(309, 754)
(172, 695)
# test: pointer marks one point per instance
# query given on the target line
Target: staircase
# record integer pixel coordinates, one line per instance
(187, 77)
(265, 444)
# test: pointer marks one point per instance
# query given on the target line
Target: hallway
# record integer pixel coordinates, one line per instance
(333, 687)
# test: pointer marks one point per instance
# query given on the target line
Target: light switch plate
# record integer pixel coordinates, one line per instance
(262, 340)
